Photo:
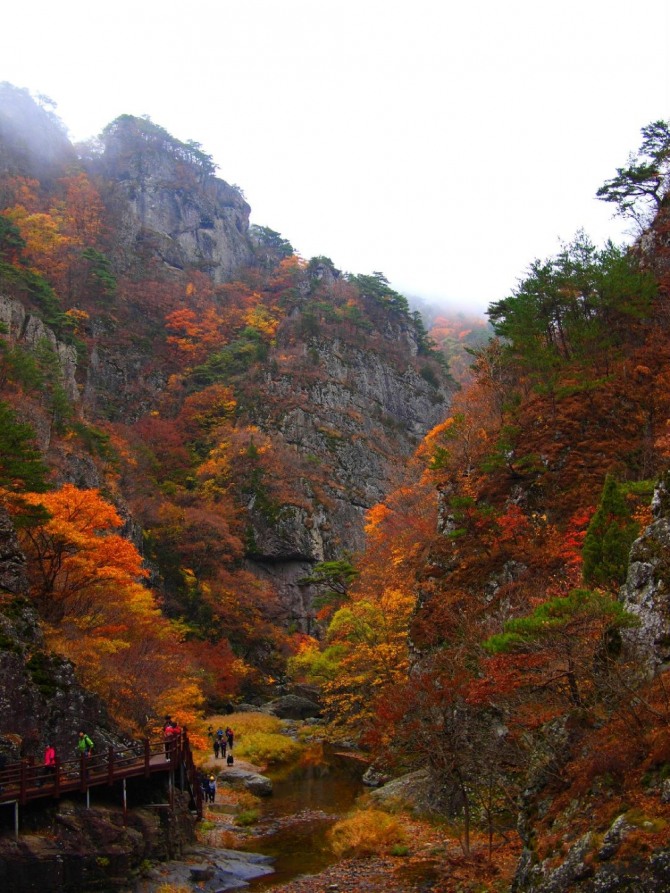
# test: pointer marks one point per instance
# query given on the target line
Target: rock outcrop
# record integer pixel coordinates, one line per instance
(79, 849)
(173, 203)
(646, 593)
(358, 413)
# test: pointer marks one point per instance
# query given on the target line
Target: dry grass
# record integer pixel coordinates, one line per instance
(369, 832)
(258, 738)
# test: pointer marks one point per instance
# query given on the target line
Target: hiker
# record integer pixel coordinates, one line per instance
(211, 789)
(49, 771)
(84, 745)
(50, 757)
(229, 737)
(172, 733)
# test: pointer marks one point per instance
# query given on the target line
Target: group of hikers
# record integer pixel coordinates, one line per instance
(83, 748)
(222, 741)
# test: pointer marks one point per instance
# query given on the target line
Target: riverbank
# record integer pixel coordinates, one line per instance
(433, 864)
(315, 792)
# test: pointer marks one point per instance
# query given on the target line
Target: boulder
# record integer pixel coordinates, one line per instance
(236, 776)
(293, 707)
(411, 791)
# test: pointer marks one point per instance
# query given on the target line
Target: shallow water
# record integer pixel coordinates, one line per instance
(308, 797)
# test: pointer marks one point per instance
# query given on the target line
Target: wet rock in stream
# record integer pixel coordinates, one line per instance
(210, 870)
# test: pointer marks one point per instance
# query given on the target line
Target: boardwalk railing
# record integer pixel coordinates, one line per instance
(25, 781)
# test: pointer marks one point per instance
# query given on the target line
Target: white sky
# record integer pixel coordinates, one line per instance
(444, 144)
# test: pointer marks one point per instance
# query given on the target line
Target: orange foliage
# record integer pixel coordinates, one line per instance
(85, 581)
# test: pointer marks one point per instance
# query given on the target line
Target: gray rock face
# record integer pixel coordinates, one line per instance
(173, 204)
(12, 562)
(412, 791)
(357, 417)
(28, 330)
(220, 869)
(646, 592)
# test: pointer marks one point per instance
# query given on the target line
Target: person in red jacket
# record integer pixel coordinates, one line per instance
(172, 733)
(49, 771)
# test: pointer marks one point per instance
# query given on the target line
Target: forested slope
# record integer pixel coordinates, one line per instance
(508, 627)
(194, 416)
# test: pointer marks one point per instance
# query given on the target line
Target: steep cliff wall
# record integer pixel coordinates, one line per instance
(171, 202)
(357, 411)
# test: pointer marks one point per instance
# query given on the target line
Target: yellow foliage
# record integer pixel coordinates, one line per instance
(261, 319)
(369, 832)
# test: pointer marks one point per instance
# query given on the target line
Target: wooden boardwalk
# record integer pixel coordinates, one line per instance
(25, 781)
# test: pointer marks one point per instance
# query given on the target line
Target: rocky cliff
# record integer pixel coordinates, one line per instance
(646, 593)
(344, 389)
(625, 847)
(170, 200)
(360, 418)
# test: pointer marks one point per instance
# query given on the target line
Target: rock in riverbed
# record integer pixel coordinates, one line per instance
(211, 870)
(238, 777)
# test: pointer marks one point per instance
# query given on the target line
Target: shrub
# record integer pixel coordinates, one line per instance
(247, 817)
(257, 737)
(265, 748)
(368, 832)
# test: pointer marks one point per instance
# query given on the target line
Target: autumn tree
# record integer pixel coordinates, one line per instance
(86, 582)
(557, 648)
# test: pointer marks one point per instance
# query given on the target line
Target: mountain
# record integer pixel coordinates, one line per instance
(241, 408)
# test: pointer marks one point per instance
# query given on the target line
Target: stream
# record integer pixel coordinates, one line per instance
(289, 838)
(308, 797)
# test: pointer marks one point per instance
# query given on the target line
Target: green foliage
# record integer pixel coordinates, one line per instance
(232, 360)
(21, 465)
(100, 272)
(642, 185)
(247, 817)
(575, 306)
(608, 538)
(142, 135)
(321, 261)
(52, 375)
(43, 669)
(428, 374)
(97, 442)
(11, 240)
(333, 578)
(270, 247)
(317, 666)
(377, 286)
(20, 280)
(557, 615)
(20, 366)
